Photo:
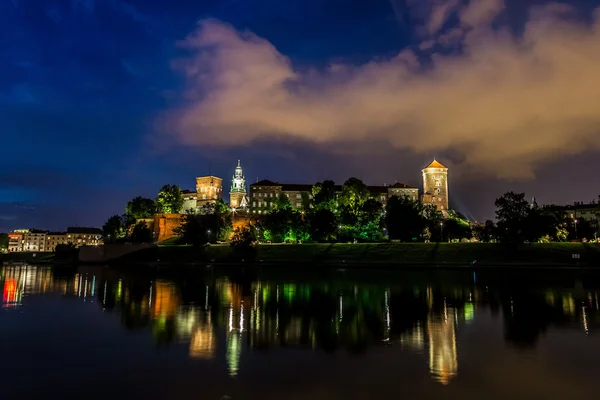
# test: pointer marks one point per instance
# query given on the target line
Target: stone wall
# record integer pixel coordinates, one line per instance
(164, 225)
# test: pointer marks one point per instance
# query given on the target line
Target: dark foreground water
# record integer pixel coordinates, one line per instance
(231, 334)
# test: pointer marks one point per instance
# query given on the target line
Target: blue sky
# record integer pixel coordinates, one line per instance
(83, 82)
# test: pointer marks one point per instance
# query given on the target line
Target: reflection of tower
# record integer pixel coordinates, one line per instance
(237, 193)
(203, 341)
(166, 300)
(443, 362)
(234, 339)
(435, 185)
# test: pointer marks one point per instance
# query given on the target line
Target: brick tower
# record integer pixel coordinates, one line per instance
(435, 185)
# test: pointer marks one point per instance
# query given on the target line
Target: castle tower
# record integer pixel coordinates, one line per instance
(435, 185)
(237, 193)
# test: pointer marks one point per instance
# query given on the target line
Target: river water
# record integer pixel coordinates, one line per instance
(213, 333)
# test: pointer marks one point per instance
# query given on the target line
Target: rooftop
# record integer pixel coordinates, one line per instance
(435, 164)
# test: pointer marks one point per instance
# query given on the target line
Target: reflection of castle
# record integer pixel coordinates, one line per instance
(256, 314)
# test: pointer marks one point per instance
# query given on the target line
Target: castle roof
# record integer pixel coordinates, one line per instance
(435, 164)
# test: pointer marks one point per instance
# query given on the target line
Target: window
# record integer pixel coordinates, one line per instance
(298, 196)
(270, 204)
(298, 205)
(253, 204)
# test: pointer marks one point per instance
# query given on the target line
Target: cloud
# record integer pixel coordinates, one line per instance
(440, 11)
(508, 103)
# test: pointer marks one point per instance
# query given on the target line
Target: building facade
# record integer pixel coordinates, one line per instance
(435, 185)
(263, 194)
(33, 240)
(590, 212)
(16, 240)
(208, 190)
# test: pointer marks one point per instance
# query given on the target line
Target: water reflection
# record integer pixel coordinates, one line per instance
(239, 314)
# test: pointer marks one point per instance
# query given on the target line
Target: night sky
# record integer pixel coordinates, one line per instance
(105, 100)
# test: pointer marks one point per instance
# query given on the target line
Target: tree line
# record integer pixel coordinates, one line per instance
(352, 215)
(125, 228)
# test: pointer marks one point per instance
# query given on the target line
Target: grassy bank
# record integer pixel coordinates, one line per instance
(388, 253)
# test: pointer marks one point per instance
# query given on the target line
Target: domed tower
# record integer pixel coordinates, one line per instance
(435, 185)
(237, 193)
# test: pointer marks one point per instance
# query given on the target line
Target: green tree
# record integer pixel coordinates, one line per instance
(213, 223)
(325, 196)
(285, 225)
(114, 229)
(403, 219)
(354, 194)
(243, 241)
(434, 220)
(282, 202)
(485, 232)
(141, 233)
(170, 199)
(140, 207)
(323, 225)
(512, 211)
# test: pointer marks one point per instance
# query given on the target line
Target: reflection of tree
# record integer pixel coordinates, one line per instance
(527, 316)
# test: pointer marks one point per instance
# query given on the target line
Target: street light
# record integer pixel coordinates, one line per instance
(575, 222)
(441, 231)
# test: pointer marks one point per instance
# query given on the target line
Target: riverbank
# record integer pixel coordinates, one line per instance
(559, 254)
(360, 254)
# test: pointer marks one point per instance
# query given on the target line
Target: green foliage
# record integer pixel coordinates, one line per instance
(243, 241)
(284, 225)
(485, 232)
(114, 229)
(354, 194)
(140, 207)
(404, 219)
(170, 199)
(282, 203)
(141, 234)
(325, 196)
(512, 211)
(561, 234)
(212, 224)
(360, 215)
(323, 225)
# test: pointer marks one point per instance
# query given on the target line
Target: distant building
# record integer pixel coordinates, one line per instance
(435, 185)
(35, 240)
(84, 236)
(16, 240)
(263, 194)
(590, 212)
(53, 239)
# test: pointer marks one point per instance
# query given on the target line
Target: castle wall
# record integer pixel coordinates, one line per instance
(165, 224)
